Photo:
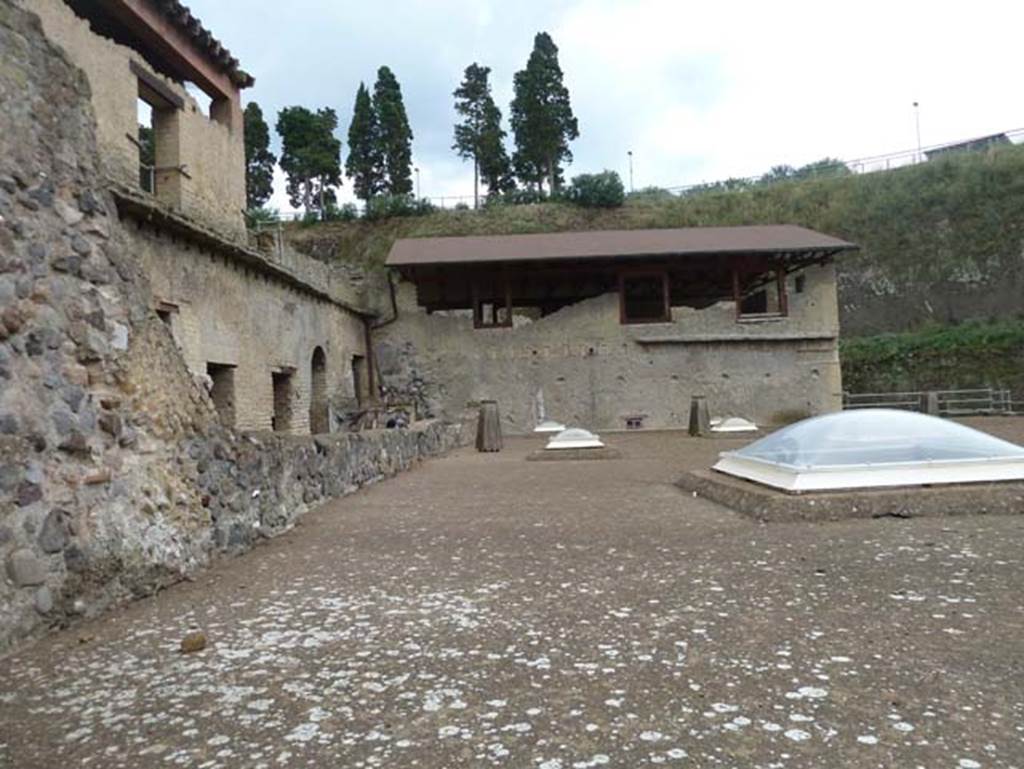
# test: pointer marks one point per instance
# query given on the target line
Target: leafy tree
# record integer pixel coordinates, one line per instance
(393, 134)
(603, 190)
(310, 155)
(365, 163)
(259, 160)
(542, 119)
(479, 135)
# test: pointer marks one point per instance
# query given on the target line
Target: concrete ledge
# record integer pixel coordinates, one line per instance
(543, 455)
(767, 505)
(145, 208)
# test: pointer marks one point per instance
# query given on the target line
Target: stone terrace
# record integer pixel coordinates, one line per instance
(486, 611)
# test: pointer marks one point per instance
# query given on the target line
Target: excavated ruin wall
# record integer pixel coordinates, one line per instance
(115, 476)
(582, 366)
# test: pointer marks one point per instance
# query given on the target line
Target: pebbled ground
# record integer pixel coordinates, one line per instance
(485, 611)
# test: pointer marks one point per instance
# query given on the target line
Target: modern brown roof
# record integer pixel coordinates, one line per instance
(610, 244)
(181, 17)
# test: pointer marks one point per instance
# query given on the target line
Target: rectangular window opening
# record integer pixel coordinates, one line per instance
(644, 298)
(281, 421)
(763, 298)
(222, 391)
(147, 147)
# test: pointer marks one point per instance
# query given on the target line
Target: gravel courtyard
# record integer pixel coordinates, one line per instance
(483, 611)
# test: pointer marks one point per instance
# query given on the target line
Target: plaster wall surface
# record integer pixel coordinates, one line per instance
(589, 370)
(226, 313)
(212, 188)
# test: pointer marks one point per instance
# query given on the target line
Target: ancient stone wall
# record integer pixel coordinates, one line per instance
(590, 370)
(228, 313)
(212, 187)
(116, 475)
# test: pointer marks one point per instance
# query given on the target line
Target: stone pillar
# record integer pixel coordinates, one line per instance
(700, 420)
(931, 403)
(488, 427)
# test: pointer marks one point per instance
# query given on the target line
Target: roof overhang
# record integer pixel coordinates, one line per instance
(180, 40)
(780, 241)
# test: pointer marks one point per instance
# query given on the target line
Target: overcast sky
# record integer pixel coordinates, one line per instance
(698, 91)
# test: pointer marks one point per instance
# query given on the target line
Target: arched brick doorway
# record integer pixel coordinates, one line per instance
(318, 413)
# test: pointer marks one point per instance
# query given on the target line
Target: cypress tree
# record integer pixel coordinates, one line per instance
(479, 136)
(542, 119)
(364, 165)
(394, 134)
(259, 160)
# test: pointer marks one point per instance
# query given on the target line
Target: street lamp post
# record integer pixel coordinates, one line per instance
(630, 153)
(417, 170)
(917, 123)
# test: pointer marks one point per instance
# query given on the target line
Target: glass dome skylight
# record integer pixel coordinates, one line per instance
(872, 448)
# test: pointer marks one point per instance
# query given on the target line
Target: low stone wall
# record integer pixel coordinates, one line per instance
(770, 506)
(223, 492)
(259, 485)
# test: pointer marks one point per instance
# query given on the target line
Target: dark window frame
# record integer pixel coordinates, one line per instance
(738, 296)
(627, 275)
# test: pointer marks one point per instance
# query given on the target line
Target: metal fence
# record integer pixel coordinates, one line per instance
(946, 403)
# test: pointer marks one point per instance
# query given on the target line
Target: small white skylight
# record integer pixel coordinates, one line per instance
(874, 448)
(733, 425)
(574, 438)
(549, 426)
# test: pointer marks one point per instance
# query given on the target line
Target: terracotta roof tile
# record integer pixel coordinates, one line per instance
(182, 18)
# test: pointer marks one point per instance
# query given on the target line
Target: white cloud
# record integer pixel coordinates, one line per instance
(697, 91)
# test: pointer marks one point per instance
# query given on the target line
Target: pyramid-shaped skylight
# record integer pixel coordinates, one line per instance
(874, 448)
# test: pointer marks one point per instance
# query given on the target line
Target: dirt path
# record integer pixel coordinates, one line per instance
(486, 611)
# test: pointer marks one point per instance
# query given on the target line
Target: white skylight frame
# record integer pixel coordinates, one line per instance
(574, 438)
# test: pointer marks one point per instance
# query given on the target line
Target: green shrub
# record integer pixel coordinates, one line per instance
(651, 194)
(387, 206)
(972, 354)
(346, 212)
(603, 190)
(260, 217)
(517, 197)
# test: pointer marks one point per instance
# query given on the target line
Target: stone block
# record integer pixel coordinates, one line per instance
(54, 534)
(44, 600)
(24, 568)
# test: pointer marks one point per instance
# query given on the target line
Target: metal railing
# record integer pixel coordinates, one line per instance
(946, 403)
